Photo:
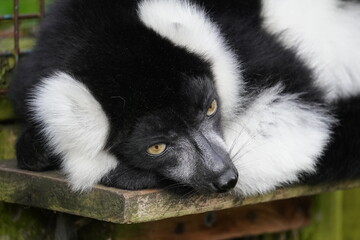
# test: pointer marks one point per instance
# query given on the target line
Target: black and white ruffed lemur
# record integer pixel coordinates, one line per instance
(247, 95)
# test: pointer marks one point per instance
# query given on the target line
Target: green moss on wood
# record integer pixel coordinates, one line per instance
(120, 206)
(6, 110)
(8, 134)
(7, 64)
(52, 192)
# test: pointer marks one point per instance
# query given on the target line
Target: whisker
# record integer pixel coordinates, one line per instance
(189, 194)
(173, 186)
(251, 138)
(240, 123)
(247, 152)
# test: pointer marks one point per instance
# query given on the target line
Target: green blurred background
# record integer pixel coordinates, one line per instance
(25, 6)
(28, 27)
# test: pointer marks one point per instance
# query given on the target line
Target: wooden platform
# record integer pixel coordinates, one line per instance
(49, 190)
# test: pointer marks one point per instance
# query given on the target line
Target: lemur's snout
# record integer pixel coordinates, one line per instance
(215, 166)
(226, 181)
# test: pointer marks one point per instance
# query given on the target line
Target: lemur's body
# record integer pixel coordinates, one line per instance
(107, 82)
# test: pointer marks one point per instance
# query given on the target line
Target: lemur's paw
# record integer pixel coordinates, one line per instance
(31, 155)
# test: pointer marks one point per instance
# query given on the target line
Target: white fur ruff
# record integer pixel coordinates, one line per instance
(326, 35)
(274, 139)
(76, 128)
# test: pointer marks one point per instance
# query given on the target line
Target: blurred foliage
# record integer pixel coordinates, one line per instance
(23, 223)
(7, 45)
(25, 6)
(27, 32)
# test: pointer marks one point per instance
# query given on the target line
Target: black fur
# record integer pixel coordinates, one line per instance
(265, 61)
(341, 160)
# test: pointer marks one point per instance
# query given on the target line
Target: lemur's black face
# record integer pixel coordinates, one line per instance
(183, 141)
(162, 105)
(164, 111)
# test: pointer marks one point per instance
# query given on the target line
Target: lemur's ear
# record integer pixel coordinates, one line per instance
(75, 127)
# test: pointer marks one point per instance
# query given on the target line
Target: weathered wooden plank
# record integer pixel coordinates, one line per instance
(49, 190)
(248, 220)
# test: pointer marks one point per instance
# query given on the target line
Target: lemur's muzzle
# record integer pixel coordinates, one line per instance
(216, 168)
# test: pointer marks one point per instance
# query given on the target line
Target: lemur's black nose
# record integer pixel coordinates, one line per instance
(226, 181)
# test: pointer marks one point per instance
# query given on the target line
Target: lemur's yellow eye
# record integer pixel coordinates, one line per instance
(156, 149)
(212, 109)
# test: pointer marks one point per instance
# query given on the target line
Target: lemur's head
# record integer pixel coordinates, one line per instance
(166, 114)
(177, 134)
(166, 99)
(165, 79)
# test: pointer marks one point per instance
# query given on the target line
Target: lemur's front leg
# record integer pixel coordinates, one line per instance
(125, 177)
(73, 126)
(32, 154)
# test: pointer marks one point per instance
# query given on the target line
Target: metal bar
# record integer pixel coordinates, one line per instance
(9, 54)
(22, 16)
(16, 17)
(16, 30)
